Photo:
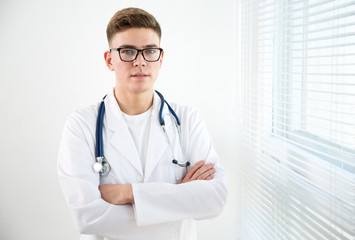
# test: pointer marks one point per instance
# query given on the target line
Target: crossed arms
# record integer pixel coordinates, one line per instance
(123, 194)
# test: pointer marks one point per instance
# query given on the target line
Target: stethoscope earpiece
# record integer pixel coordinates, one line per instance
(186, 164)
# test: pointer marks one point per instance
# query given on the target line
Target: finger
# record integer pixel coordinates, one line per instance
(202, 170)
(206, 174)
(105, 186)
(102, 187)
(210, 177)
(192, 170)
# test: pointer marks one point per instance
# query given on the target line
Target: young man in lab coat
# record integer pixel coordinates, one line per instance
(145, 195)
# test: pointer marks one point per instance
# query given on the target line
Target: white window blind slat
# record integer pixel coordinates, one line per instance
(308, 6)
(320, 101)
(330, 8)
(300, 31)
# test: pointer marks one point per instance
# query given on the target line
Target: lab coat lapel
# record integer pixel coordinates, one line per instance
(119, 136)
(158, 145)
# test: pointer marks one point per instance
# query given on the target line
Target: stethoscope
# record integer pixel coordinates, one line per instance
(102, 167)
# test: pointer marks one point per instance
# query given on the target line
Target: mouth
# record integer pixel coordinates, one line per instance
(140, 75)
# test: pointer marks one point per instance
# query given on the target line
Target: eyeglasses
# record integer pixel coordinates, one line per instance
(131, 54)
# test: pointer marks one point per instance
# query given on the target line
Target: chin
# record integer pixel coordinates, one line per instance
(142, 89)
(135, 87)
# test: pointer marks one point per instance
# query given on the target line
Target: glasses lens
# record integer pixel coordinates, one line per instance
(151, 54)
(128, 54)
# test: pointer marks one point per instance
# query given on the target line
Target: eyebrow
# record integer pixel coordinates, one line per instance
(145, 46)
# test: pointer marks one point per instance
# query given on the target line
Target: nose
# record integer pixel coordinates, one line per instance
(139, 60)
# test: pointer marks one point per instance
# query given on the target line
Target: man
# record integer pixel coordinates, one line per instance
(144, 195)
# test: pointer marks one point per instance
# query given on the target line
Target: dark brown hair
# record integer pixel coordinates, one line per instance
(131, 18)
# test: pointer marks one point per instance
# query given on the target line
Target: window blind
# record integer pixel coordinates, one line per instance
(296, 69)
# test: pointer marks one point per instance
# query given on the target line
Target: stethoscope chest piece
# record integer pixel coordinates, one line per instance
(97, 167)
(102, 167)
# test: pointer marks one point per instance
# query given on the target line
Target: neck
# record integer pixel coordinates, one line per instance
(134, 103)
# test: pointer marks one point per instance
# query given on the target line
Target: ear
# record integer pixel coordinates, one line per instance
(161, 58)
(108, 60)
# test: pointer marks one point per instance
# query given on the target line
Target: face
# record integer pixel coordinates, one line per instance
(138, 76)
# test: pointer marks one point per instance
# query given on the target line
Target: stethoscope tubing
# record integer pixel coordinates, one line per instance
(102, 167)
(161, 119)
(99, 127)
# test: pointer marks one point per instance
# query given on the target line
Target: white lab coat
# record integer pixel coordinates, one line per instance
(163, 209)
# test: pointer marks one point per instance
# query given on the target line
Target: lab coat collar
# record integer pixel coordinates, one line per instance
(119, 136)
(158, 144)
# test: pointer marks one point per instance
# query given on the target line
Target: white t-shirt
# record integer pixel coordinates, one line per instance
(139, 127)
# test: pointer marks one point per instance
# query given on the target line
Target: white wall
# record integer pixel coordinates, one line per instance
(51, 63)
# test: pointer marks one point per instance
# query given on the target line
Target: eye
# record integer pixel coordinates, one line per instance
(127, 51)
(150, 51)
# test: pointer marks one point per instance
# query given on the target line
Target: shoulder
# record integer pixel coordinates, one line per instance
(84, 118)
(187, 114)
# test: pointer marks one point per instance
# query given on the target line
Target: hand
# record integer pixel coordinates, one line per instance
(117, 194)
(200, 171)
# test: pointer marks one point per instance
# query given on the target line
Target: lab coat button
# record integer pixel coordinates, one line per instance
(140, 178)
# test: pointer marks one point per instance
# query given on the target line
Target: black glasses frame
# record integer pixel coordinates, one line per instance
(138, 51)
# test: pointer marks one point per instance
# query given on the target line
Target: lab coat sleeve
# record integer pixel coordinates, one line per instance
(79, 184)
(200, 199)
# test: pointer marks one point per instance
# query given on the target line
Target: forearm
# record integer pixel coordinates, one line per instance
(93, 215)
(164, 202)
(193, 199)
